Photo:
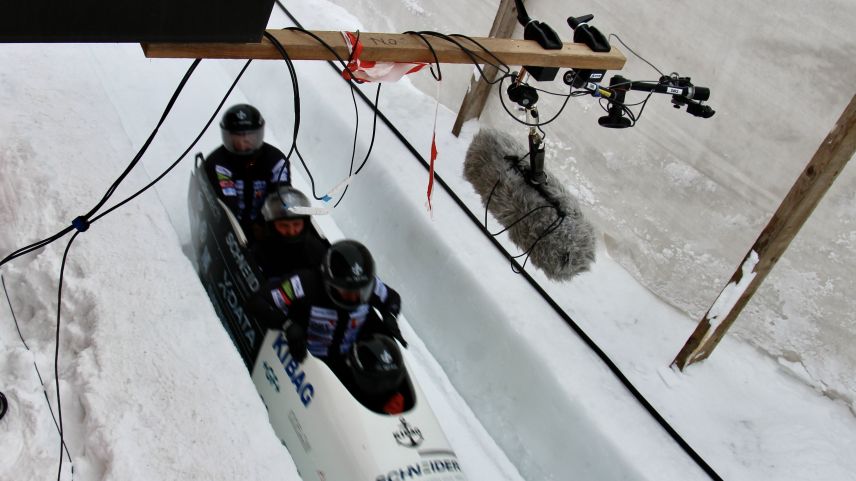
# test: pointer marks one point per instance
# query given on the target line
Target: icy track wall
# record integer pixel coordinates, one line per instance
(680, 200)
(431, 274)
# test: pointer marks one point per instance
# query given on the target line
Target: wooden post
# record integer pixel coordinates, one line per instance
(476, 98)
(821, 171)
(392, 47)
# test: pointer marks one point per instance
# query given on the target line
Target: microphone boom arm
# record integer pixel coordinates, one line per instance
(681, 89)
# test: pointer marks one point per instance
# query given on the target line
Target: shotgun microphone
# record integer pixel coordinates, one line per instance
(542, 218)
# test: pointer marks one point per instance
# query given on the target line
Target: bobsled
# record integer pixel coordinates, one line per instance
(331, 433)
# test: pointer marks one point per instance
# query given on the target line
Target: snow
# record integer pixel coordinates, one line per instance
(152, 388)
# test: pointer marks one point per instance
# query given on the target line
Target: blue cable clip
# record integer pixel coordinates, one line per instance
(80, 223)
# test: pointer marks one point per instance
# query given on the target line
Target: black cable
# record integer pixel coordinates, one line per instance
(14, 318)
(544, 233)
(610, 364)
(81, 224)
(557, 222)
(509, 226)
(547, 231)
(353, 50)
(356, 124)
(85, 226)
(56, 351)
(536, 124)
(374, 130)
(353, 82)
(323, 44)
(85, 218)
(38, 372)
(557, 94)
(353, 146)
(35, 246)
(634, 53)
(644, 103)
(475, 58)
(148, 141)
(186, 151)
(109, 193)
(633, 116)
(438, 75)
(295, 86)
(504, 68)
(641, 102)
(624, 108)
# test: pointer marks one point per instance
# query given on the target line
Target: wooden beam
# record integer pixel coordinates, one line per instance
(476, 97)
(830, 158)
(390, 47)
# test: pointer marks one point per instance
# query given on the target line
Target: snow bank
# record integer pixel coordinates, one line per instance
(151, 386)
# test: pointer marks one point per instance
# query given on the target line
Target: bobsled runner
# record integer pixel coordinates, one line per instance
(331, 433)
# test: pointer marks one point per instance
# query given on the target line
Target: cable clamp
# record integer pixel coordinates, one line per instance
(81, 223)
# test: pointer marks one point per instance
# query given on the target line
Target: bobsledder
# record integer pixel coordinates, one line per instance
(332, 426)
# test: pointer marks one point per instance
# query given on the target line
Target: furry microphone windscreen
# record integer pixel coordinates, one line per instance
(563, 253)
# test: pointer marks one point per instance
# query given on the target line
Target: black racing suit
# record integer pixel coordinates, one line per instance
(243, 181)
(277, 256)
(327, 329)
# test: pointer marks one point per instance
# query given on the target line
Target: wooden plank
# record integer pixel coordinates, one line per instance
(391, 47)
(476, 97)
(809, 188)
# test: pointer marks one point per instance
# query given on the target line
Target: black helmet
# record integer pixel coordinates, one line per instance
(376, 365)
(278, 204)
(246, 121)
(278, 207)
(349, 273)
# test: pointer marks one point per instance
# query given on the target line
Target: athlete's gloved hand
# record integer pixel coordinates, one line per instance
(390, 321)
(266, 313)
(296, 337)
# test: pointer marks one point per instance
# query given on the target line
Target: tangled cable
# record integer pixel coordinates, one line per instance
(82, 223)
